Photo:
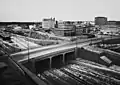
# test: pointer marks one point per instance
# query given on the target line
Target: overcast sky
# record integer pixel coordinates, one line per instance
(36, 10)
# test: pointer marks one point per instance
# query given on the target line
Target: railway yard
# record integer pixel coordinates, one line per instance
(78, 71)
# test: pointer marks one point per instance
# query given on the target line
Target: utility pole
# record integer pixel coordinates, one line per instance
(76, 44)
(28, 51)
(28, 44)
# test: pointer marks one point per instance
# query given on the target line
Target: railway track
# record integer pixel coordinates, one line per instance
(78, 72)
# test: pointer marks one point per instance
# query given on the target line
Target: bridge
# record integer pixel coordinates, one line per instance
(41, 52)
(48, 55)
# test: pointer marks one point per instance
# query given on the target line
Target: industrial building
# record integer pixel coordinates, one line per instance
(65, 28)
(110, 29)
(112, 22)
(100, 20)
(63, 32)
(48, 23)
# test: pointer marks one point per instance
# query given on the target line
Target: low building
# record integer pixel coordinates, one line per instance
(66, 25)
(79, 30)
(110, 29)
(118, 23)
(63, 32)
(65, 28)
(111, 22)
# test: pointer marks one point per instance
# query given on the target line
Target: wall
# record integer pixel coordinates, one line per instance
(91, 56)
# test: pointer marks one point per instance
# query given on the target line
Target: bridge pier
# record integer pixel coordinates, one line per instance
(33, 66)
(63, 60)
(76, 52)
(30, 65)
(50, 63)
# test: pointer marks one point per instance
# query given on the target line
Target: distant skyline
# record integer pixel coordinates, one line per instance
(36, 10)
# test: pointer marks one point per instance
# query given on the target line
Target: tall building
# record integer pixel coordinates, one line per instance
(100, 20)
(48, 23)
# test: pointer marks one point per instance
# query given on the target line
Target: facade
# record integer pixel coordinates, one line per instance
(66, 25)
(110, 29)
(79, 30)
(100, 20)
(48, 23)
(64, 32)
(86, 30)
(118, 23)
(111, 22)
(65, 28)
(114, 23)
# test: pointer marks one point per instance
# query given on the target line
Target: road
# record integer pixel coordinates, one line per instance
(34, 53)
(43, 52)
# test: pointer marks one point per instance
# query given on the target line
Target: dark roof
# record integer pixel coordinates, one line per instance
(100, 17)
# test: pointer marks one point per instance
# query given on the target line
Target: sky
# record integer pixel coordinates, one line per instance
(36, 10)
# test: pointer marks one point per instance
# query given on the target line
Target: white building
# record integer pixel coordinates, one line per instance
(48, 23)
